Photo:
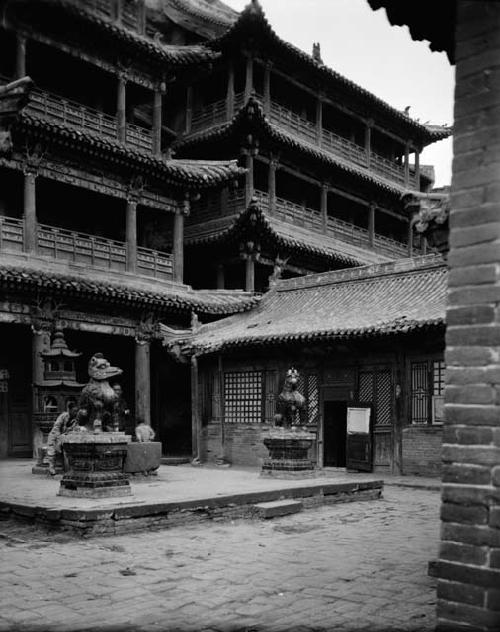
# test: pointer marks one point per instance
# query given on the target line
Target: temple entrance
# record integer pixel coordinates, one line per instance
(334, 434)
(15, 392)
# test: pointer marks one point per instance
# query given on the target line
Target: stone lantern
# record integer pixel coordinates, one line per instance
(54, 393)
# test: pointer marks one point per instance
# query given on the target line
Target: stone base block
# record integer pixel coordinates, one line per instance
(96, 492)
(277, 508)
(289, 474)
(143, 458)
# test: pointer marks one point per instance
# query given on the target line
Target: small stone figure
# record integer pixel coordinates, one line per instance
(290, 401)
(144, 432)
(97, 397)
(66, 422)
(121, 413)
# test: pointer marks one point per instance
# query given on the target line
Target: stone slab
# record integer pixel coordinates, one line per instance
(143, 458)
(278, 508)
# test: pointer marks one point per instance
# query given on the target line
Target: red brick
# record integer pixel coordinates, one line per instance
(466, 574)
(495, 517)
(470, 315)
(470, 494)
(493, 600)
(469, 356)
(472, 255)
(474, 234)
(472, 375)
(463, 593)
(471, 216)
(466, 613)
(451, 512)
(474, 335)
(479, 535)
(472, 454)
(495, 476)
(465, 553)
(470, 394)
(467, 474)
(472, 415)
(495, 558)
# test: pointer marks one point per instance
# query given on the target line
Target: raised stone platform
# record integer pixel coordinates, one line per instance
(178, 495)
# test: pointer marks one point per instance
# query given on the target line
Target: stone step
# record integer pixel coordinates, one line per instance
(277, 508)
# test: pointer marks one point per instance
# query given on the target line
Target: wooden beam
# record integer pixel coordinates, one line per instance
(143, 381)
(178, 246)
(230, 92)
(157, 120)
(121, 111)
(195, 411)
(249, 77)
(30, 220)
(20, 56)
(131, 235)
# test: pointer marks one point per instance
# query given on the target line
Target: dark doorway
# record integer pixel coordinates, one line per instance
(334, 434)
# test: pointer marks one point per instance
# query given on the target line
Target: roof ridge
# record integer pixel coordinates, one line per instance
(362, 273)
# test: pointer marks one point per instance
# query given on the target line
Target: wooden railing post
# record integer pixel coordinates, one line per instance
(157, 121)
(131, 234)
(417, 168)
(273, 166)
(182, 210)
(368, 142)
(371, 224)
(121, 119)
(267, 88)
(20, 56)
(407, 165)
(324, 207)
(189, 110)
(30, 219)
(230, 92)
(319, 120)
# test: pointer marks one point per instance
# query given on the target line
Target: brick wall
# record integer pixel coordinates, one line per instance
(422, 450)
(468, 569)
(243, 443)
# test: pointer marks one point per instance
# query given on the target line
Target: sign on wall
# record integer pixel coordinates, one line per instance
(358, 420)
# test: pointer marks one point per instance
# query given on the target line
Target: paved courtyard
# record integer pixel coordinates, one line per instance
(354, 566)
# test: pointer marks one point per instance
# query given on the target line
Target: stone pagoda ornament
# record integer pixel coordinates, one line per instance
(54, 393)
(288, 442)
(96, 453)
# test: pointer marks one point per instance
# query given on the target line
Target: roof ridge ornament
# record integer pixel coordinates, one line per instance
(316, 54)
(254, 8)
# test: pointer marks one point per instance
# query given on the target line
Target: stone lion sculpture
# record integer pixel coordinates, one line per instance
(98, 398)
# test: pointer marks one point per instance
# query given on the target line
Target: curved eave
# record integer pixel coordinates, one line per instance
(160, 53)
(255, 218)
(207, 23)
(188, 174)
(253, 114)
(100, 292)
(253, 22)
(395, 328)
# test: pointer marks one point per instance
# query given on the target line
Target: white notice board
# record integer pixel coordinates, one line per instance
(358, 420)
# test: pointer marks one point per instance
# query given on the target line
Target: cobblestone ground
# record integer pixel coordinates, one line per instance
(355, 566)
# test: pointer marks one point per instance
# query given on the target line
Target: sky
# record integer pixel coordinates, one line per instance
(361, 45)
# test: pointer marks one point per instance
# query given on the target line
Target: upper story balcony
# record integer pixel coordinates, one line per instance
(86, 250)
(305, 217)
(56, 109)
(314, 134)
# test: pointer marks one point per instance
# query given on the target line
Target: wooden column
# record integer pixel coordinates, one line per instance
(410, 237)
(30, 221)
(20, 56)
(230, 92)
(324, 207)
(195, 411)
(368, 142)
(141, 17)
(178, 246)
(417, 169)
(267, 88)
(273, 165)
(121, 119)
(371, 224)
(157, 120)
(131, 235)
(249, 186)
(189, 109)
(319, 120)
(221, 281)
(118, 7)
(250, 273)
(249, 77)
(143, 381)
(40, 343)
(407, 165)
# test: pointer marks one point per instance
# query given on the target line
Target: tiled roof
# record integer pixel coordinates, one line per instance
(252, 113)
(256, 219)
(206, 18)
(178, 55)
(387, 299)
(102, 287)
(190, 173)
(252, 20)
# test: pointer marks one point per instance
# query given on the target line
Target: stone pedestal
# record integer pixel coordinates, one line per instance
(43, 422)
(95, 465)
(288, 453)
(143, 458)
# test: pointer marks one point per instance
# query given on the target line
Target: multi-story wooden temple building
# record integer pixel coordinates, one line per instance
(164, 158)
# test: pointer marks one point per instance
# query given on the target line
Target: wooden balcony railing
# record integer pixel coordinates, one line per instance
(90, 250)
(216, 113)
(59, 110)
(308, 218)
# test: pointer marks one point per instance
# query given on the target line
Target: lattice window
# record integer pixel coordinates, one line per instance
(365, 389)
(383, 406)
(438, 369)
(312, 398)
(243, 397)
(419, 392)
